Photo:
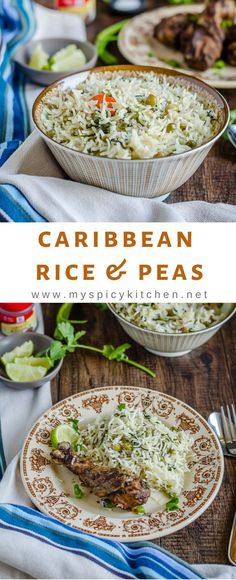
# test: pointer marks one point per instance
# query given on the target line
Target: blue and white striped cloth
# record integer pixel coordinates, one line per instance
(17, 24)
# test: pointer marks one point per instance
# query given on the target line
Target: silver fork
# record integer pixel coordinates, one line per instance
(228, 419)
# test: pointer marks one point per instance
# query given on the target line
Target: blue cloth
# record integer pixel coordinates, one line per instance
(17, 24)
(140, 560)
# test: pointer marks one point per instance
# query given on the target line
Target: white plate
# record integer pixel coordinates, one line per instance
(50, 486)
(138, 45)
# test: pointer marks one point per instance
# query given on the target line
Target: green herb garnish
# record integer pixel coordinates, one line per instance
(107, 503)
(172, 504)
(109, 34)
(74, 423)
(173, 62)
(78, 493)
(193, 17)
(219, 64)
(139, 509)
(180, 1)
(121, 407)
(226, 23)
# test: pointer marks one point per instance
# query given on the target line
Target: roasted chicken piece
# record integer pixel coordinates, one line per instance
(200, 37)
(134, 492)
(202, 44)
(220, 10)
(169, 30)
(107, 483)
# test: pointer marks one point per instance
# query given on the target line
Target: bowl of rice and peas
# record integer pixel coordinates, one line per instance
(134, 130)
(169, 329)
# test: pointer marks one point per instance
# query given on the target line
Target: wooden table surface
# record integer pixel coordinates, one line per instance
(204, 379)
(215, 180)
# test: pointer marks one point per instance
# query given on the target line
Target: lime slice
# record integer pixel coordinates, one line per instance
(26, 349)
(39, 58)
(63, 53)
(73, 61)
(34, 361)
(24, 373)
(63, 432)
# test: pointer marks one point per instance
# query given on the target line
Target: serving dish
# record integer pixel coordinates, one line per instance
(137, 44)
(155, 177)
(51, 45)
(49, 486)
(41, 342)
(171, 344)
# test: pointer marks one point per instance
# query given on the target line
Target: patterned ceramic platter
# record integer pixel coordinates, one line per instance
(138, 45)
(50, 486)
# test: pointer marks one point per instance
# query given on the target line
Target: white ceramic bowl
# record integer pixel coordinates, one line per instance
(171, 344)
(140, 178)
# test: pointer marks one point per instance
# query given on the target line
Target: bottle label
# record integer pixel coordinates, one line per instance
(84, 8)
(21, 324)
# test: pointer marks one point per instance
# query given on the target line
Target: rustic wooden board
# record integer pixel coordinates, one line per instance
(204, 379)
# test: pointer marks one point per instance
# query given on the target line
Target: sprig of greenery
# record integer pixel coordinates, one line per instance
(67, 340)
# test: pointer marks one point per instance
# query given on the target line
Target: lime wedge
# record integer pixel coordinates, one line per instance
(73, 61)
(39, 58)
(26, 349)
(34, 361)
(63, 53)
(63, 432)
(24, 373)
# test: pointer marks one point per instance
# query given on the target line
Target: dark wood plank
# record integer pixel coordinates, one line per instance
(203, 379)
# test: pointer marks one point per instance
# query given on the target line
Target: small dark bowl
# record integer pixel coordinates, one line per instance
(51, 45)
(41, 342)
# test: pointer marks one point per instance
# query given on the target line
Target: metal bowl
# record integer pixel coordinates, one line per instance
(171, 344)
(41, 342)
(155, 177)
(51, 45)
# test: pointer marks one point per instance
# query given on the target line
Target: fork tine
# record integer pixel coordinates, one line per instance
(226, 431)
(230, 424)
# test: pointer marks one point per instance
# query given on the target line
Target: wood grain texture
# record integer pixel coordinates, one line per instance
(204, 379)
(215, 180)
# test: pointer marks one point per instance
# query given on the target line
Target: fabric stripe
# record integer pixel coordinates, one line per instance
(143, 560)
(3, 463)
(17, 24)
(15, 205)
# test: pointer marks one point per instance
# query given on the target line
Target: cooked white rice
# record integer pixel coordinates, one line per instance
(169, 317)
(141, 445)
(178, 119)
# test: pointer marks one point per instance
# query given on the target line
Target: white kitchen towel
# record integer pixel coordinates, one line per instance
(36, 185)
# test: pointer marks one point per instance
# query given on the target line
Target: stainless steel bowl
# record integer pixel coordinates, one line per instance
(171, 344)
(148, 178)
(41, 342)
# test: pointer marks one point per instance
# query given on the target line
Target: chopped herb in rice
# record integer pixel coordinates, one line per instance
(137, 115)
